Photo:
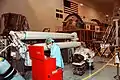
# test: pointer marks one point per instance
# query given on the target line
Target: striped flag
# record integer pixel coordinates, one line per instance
(73, 8)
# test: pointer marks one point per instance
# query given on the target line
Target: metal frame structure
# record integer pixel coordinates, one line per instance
(117, 53)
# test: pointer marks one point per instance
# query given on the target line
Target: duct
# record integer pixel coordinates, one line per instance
(23, 35)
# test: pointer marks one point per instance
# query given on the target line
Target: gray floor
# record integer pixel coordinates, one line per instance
(107, 73)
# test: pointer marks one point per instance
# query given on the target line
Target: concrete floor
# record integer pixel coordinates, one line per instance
(107, 73)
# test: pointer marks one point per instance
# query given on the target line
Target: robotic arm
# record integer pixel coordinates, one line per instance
(17, 37)
(18, 44)
(22, 48)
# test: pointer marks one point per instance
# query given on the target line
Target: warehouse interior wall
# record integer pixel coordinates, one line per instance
(42, 13)
(89, 11)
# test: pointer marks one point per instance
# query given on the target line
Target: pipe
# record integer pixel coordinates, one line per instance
(61, 45)
(44, 35)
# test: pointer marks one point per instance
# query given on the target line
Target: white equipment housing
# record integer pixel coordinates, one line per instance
(18, 36)
(84, 52)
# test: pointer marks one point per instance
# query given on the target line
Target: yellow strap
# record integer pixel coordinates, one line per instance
(86, 78)
(1, 58)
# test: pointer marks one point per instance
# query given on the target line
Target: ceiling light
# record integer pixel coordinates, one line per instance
(107, 15)
(119, 8)
(81, 4)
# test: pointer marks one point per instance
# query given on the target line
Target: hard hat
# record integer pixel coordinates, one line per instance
(49, 40)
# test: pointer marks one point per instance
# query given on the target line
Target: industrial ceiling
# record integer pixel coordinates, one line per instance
(105, 6)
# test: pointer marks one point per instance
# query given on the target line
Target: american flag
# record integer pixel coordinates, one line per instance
(72, 9)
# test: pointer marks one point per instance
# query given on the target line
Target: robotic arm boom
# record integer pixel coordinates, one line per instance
(26, 35)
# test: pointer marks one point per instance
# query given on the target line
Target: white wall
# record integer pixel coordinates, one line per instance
(41, 13)
(89, 13)
(88, 10)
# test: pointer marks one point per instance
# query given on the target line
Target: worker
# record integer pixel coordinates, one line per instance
(55, 52)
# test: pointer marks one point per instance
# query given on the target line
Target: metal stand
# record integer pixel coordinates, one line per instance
(117, 77)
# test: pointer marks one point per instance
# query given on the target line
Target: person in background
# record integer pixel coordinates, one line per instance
(55, 52)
